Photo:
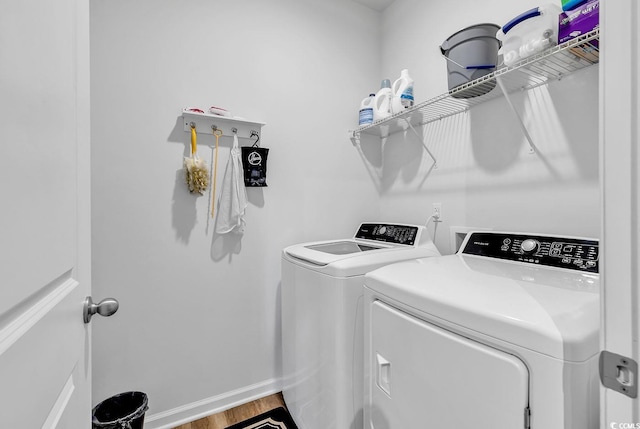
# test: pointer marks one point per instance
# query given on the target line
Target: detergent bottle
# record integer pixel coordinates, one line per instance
(366, 110)
(402, 92)
(382, 101)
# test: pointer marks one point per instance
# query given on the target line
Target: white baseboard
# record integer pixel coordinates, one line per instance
(216, 404)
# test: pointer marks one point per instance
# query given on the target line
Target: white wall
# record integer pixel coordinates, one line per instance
(485, 177)
(199, 319)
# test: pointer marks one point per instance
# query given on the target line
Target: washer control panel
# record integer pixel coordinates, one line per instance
(388, 233)
(562, 252)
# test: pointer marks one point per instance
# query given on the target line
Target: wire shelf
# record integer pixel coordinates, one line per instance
(551, 64)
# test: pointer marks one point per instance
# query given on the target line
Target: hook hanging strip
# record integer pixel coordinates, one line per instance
(217, 133)
(194, 138)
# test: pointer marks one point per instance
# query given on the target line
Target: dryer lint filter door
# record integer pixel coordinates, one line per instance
(424, 376)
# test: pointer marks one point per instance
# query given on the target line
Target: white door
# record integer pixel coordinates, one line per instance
(45, 360)
(422, 376)
(620, 169)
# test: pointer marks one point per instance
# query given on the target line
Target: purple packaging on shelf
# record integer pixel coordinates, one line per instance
(579, 21)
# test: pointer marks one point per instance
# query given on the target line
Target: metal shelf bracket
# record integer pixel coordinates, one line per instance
(507, 97)
(424, 145)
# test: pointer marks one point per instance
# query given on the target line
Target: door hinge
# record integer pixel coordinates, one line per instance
(527, 418)
(619, 373)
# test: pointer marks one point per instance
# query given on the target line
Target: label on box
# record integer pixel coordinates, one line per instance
(579, 21)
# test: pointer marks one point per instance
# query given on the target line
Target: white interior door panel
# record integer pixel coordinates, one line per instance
(45, 217)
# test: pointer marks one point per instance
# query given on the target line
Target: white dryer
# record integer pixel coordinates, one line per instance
(502, 335)
(322, 319)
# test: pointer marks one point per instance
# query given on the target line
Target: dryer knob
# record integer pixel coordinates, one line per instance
(530, 246)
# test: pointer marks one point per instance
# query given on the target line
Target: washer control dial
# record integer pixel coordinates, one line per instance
(530, 246)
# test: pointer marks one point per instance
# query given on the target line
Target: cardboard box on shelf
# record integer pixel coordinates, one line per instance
(576, 22)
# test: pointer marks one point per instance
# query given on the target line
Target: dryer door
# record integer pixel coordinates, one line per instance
(422, 376)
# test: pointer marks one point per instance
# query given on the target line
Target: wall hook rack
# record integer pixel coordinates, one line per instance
(208, 123)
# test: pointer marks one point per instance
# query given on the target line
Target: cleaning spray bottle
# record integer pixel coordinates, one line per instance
(402, 92)
(382, 101)
(366, 110)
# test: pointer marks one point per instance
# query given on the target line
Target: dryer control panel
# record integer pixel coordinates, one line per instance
(389, 233)
(562, 252)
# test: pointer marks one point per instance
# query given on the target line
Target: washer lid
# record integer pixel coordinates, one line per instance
(326, 252)
(353, 257)
(374, 245)
(548, 310)
(347, 258)
(345, 247)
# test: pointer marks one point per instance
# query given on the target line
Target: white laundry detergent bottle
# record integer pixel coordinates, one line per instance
(382, 101)
(402, 92)
(366, 110)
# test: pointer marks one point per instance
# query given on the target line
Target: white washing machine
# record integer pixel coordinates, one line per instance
(322, 319)
(502, 335)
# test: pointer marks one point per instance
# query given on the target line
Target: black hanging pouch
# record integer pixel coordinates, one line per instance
(254, 164)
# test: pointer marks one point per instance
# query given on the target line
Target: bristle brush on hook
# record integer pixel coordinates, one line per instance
(196, 172)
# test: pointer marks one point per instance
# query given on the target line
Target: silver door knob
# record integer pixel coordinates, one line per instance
(106, 308)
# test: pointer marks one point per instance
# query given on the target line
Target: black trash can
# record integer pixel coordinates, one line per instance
(123, 411)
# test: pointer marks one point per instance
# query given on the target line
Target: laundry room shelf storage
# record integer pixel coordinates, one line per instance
(540, 69)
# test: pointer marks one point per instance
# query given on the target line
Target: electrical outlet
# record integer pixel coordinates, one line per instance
(437, 212)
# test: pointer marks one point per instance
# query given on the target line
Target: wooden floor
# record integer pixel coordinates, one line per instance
(237, 414)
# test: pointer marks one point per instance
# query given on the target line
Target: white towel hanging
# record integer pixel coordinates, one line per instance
(233, 195)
